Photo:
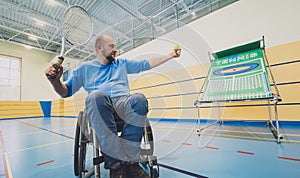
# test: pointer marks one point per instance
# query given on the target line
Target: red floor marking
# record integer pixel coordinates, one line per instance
(211, 147)
(2, 175)
(245, 152)
(291, 159)
(166, 141)
(47, 162)
(3, 157)
(187, 144)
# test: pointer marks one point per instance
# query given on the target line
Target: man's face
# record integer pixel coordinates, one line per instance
(109, 50)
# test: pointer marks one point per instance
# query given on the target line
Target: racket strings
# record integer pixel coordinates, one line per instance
(77, 26)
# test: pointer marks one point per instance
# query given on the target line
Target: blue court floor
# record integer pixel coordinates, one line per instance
(43, 148)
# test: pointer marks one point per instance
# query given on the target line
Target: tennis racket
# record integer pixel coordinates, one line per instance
(76, 28)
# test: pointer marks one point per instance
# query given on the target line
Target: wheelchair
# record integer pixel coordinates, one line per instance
(86, 144)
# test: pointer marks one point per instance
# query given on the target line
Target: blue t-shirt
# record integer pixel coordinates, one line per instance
(111, 79)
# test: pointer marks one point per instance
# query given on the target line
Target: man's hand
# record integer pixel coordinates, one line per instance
(54, 72)
(160, 60)
(176, 53)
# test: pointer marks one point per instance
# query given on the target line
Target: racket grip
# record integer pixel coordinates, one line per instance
(60, 61)
(58, 64)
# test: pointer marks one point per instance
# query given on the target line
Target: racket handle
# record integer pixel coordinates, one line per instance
(60, 61)
(58, 64)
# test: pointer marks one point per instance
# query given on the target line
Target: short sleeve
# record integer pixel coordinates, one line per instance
(74, 83)
(137, 66)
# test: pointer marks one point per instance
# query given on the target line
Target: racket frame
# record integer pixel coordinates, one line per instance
(63, 39)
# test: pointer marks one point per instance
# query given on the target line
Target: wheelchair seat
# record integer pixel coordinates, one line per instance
(86, 142)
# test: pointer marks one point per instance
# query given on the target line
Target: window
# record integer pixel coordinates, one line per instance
(10, 78)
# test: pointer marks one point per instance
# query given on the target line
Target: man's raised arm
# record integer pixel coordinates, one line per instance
(154, 62)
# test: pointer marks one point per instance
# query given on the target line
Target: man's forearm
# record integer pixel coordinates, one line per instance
(159, 60)
(60, 88)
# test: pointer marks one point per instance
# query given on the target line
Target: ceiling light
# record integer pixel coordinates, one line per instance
(33, 38)
(53, 3)
(193, 14)
(28, 47)
(162, 30)
(40, 22)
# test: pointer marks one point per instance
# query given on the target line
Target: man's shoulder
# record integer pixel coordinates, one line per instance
(121, 60)
(125, 60)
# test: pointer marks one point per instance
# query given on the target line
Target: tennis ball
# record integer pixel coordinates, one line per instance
(176, 47)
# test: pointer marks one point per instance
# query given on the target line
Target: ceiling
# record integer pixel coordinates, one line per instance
(36, 23)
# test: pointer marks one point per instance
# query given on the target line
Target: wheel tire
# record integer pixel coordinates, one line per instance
(79, 149)
(76, 151)
(82, 154)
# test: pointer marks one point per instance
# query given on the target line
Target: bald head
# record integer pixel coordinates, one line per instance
(105, 49)
(101, 40)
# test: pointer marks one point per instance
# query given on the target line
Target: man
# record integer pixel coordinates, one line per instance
(105, 80)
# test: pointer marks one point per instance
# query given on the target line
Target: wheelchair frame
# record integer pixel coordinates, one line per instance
(85, 136)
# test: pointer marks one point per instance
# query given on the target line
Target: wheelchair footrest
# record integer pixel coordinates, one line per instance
(98, 160)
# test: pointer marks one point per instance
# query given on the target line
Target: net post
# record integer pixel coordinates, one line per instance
(276, 120)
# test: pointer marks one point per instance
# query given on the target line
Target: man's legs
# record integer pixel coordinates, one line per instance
(100, 110)
(133, 110)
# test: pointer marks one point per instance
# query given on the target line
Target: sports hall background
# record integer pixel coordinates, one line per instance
(172, 88)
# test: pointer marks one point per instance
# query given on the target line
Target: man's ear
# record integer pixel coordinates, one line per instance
(100, 48)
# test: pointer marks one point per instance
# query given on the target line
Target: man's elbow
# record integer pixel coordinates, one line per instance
(63, 92)
(63, 95)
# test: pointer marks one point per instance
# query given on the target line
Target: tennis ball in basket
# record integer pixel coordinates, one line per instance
(176, 47)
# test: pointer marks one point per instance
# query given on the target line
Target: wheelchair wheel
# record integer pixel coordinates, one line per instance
(147, 160)
(76, 151)
(79, 151)
(154, 173)
(150, 136)
(147, 145)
